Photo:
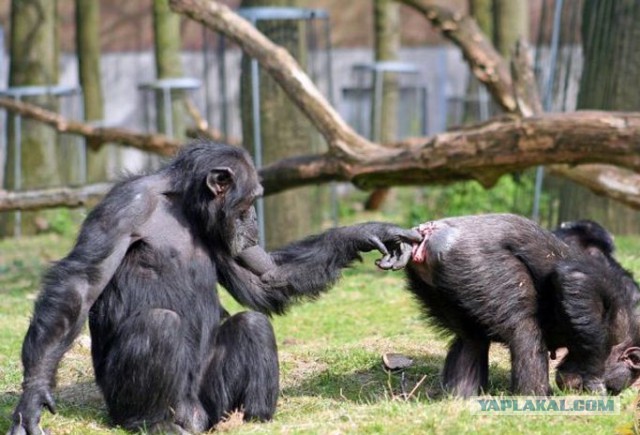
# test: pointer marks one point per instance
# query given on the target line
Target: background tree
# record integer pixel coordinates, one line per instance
(386, 20)
(285, 132)
(87, 18)
(34, 61)
(510, 22)
(167, 46)
(611, 50)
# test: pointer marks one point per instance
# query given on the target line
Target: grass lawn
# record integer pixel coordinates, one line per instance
(332, 380)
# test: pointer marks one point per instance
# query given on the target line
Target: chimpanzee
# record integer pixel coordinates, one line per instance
(144, 271)
(502, 278)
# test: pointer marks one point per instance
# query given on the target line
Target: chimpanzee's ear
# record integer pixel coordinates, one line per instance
(219, 180)
(631, 357)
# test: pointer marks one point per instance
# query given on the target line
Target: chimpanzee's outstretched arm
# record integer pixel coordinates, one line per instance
(270, 282)
(69, 289)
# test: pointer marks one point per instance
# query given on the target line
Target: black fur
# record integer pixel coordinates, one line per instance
(166, 354)
(502, 278)
(595, 240)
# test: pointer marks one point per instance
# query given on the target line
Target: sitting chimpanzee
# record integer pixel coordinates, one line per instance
(503, 278)
(144, 271)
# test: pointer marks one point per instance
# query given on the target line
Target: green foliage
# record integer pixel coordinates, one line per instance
(410, 206)
(512, 194)
(65, 222)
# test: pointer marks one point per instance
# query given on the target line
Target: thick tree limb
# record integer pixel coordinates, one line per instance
(342, 140)
(55, 197)
(96, 136)
(483, 152)
(485, 62)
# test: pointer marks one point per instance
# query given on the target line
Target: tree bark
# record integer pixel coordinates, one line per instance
(511, 23)
(88, 45)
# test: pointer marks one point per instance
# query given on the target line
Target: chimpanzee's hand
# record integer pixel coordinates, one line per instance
(392, 241)
(26, 417)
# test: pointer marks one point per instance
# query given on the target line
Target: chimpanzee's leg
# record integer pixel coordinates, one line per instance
(243, 371)
(145, 371)
(466, 368)
(529, 360)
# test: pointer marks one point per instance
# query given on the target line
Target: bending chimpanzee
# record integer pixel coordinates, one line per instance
(503, 278)
(144, 271)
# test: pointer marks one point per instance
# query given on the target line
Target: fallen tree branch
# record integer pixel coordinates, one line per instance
(95, 136)
(482, 153)
(341, 139)
(55, 197)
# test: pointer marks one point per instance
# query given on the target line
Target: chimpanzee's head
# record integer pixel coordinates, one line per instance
(622, 368)
(219, 184)
(587, 235)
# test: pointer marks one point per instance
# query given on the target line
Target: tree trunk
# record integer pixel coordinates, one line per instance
(88, 46)
(611, 47)
(167, 43)
(511, 22)
(285, 132)
(386, 20)
(482, 12)
(33, 162)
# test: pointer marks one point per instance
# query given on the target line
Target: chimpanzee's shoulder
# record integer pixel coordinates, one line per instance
(132, 200)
